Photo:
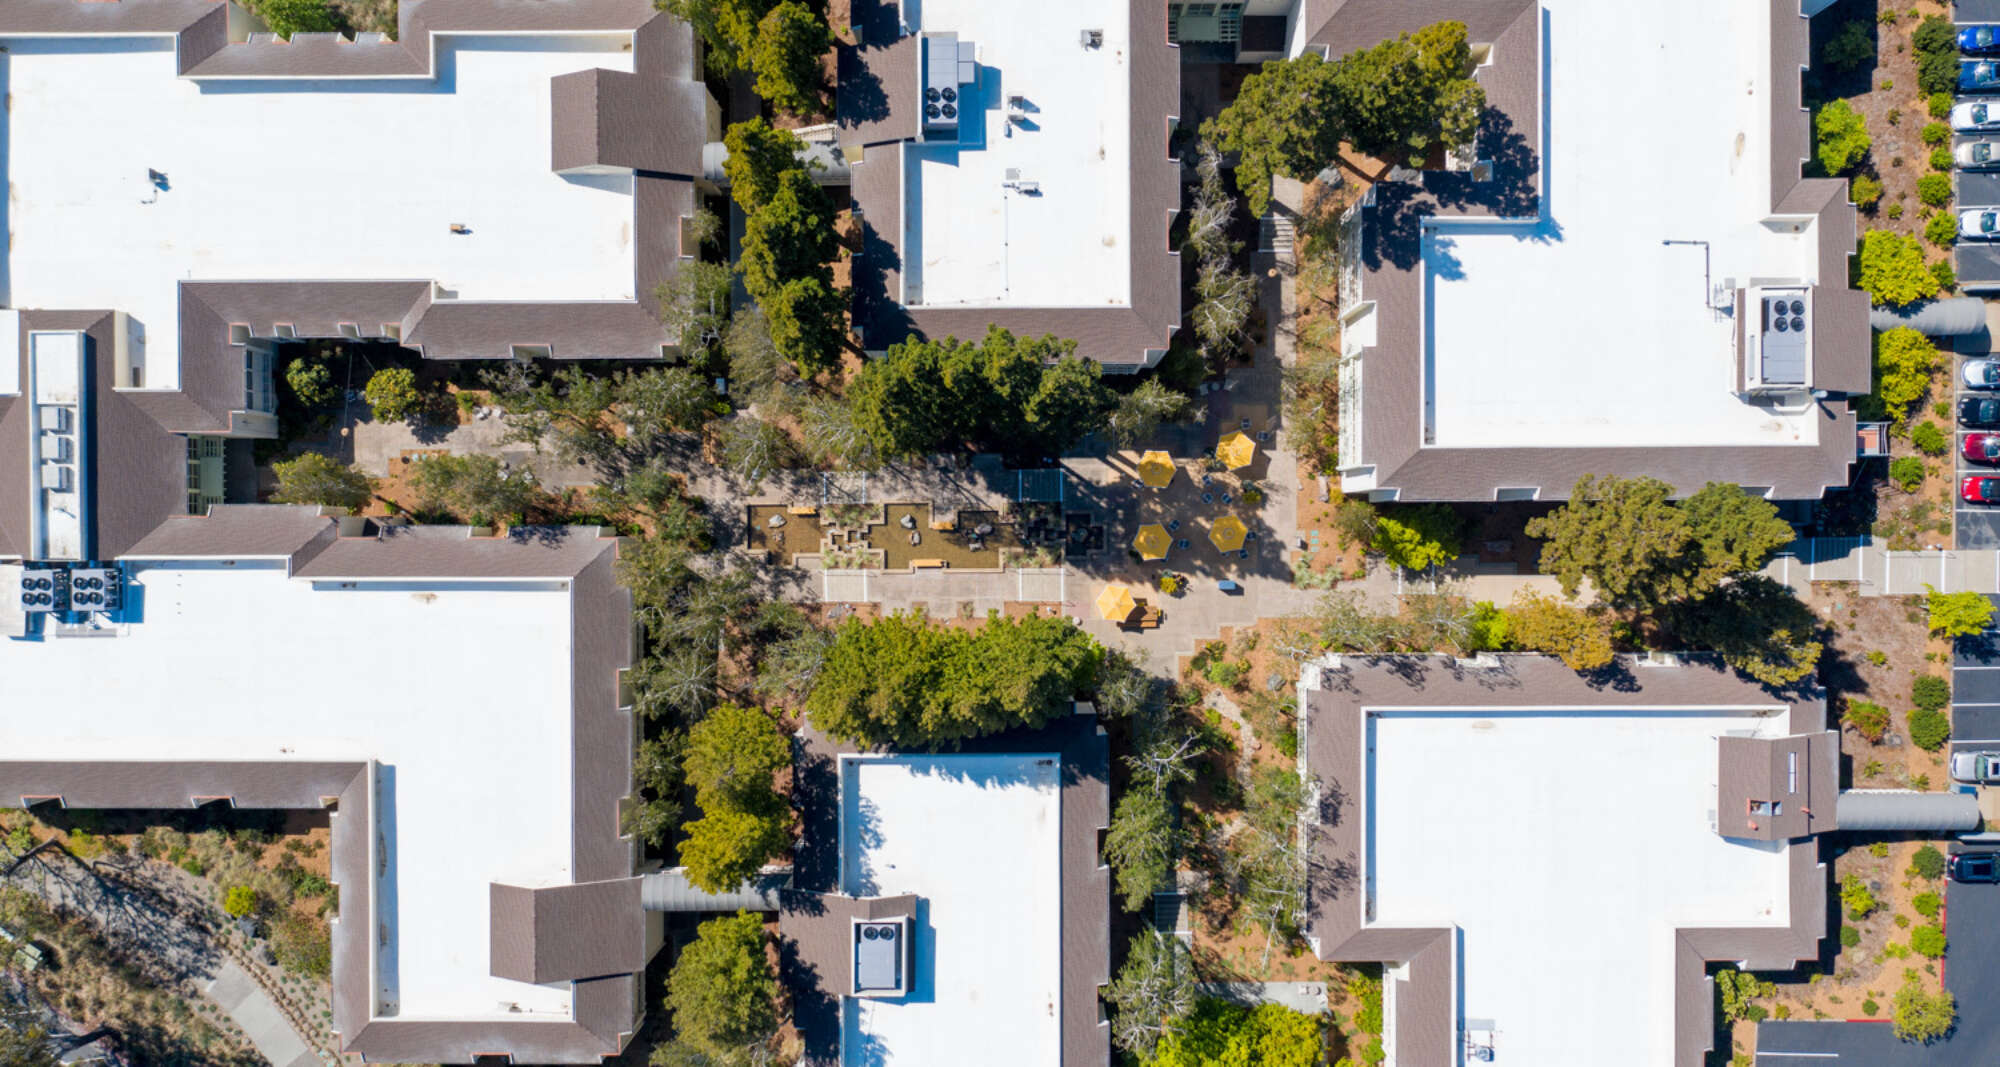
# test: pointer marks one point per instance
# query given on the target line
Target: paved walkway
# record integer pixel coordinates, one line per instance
(1879, 572)
(238, 994)
(1307, 997)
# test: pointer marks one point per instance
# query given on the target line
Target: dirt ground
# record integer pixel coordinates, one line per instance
(1876, 649)
(1865, 971)
(1889, 85)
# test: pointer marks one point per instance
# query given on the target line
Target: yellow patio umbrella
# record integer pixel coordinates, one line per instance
(1156, 469)
(1228, 533)
(1116, 603)
(1236, 450)
(1153, 541)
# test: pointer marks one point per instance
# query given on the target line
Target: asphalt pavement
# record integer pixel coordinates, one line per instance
(1972, 973)
(1975, 692)
(1974, 526)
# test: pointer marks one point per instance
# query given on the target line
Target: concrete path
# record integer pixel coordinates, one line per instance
(239, 995)
(1307, 997)
(1877, 571)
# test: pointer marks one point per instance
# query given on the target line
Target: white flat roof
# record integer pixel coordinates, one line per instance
(979, 838)
(968, 240)
(1567, 847)
(1583, 329)
(285, 180)
(461, 693)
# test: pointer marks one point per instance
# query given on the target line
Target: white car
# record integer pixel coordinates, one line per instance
(1977, 155)
(1977, 768)
(1982, 373)
(1974, 115)
(1981, 222)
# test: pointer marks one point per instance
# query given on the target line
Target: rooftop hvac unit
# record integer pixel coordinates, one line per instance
(96, 589)
(1093, 38)
(43, 590)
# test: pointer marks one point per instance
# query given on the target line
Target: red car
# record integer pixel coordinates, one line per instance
(1980, 489)
(1983, 448)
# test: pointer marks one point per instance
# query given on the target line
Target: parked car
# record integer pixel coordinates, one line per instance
(1978, 75)
(1977, 155)
(1980, 489)
(1982, 448)
(1982, 373)
(1979, 40)
(1973, 115)
(1975, 768)
(1980, 222)
(1981, 412)
(1973, 866)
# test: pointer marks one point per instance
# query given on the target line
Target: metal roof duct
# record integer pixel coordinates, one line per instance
(1953, 317)
(670, 891)
(1897, 809)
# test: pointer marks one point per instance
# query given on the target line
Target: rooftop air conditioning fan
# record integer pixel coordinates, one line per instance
(931, 95)
(930, 111)
(950, 94)
(950, 112)
(1780, 324)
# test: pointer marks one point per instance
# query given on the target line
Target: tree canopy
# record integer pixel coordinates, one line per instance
(1758, 625)
(314, 478)
(473, 488)
(1963, 614)
(1154, 990)
(1419, 536)
(759, 156)
(791, 41)
(1842, 136)
(392, 394)
(1537, 623)
(899, 680)
(733, 754)
(1641, 550)
(1891, 268)
(1285, 120)
(1026, 397)
(722, 989)
(1904, 360)
(1218, 1033)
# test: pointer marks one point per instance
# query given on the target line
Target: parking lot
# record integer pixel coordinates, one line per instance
(1975, 692)
(1972, 973)
(1974, 526)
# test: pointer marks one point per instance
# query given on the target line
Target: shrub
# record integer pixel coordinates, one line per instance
(1927, 903)
(1225, 673)
(1936, 133)
(240, 901)
(1869, 720)
(1855, 898)
(1894, 211)
(303, 945)
(1941, 159)
(1928, 862)
(1961, 614)
(1923, 1016)
(1904, 360)
(1935, 35)
(1171, 583)
(1938, 104)
(313, 478)
(392, 394)
(1738, 990)
(1539, 623)
(1937, 73)
(1929, 439)
(311, 382)
(287, 17)
(1865, 191)
(1934, 190)
(1418, 537)
(1841, 137)
(1947, 278)
(1930, 692)
(1907, 472)
(1929, 729)
(1892, 268)
(1849, 936)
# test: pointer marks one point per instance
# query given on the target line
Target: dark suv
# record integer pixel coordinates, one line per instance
(1973, 867)
(1981, 411)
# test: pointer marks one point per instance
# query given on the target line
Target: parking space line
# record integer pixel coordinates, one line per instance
(1801, 1055)
(1981, 668)
(1975, 704)
(1975, 740)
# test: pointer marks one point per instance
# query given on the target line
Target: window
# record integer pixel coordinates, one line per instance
(1791, 772)
(533, 352)
(1766, 807)
(258, 392)
(239, 333)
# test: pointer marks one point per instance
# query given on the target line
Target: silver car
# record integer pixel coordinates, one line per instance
(1975, 115)
(1977, 155)
(1975, 768)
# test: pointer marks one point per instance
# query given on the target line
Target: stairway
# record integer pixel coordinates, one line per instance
(1274, 234)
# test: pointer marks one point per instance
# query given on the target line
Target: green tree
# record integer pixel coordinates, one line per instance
(733, 754)
(26, 1047)
(758, 372)
(1153, 990)
(1934, 190)
(656, 782)
(786, 55)
(1285, 120)
(1929, 728)
(1070, 400)
(311, 381)
(759, 156)
(475, 488)
(663, 401)
(1842, 136)
(789, 235)
(836, 437)
(728, 845)
(313, 478)
(1141, 412)
(1849, 48)
(1904, 361)
(1734, 532)
(287, 17)
(1217, 1033)
(1758, 625)
(1141, 845)
(1224, 299)
(1624, 534)
(806, 322)
(727, 27)
(1418, 536)
(1922, 1016)
(1963, 614)
(899, 680)
(694, 304)
(754, 449)
(1405, 97)
(1738, 990)
(1927, 862)
(1581, 639)
(722, 990)
(1892, 269)
(392, 394)
(1025, 396)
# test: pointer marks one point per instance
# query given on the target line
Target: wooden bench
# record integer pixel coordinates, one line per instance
(921, 564)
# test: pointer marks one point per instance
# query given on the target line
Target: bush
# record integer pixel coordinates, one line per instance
(1581, 639)
(287, 17)
(1907, 472)
(303, 945)
(1941, 159)
(1869, 720)
(1928, 439)
(1930, 692)
(1927, 904)
(1934, 190)
(1947, 278)
(1849, 936)
(1225, 673)
(1962, 614)
(1219, 1032)
(317, 479)
(392, 394)
(1904, 360)
(1935, 36)
(311, 382)
(1855, 899)
(240, 901)
(1938, 104)
(1894, 211)
(1936, 133)
(1928, 941)
(1865, 191)
(1738, 989)
(1929, 729)
(1941, 229)
(1928, 862)
(1841, 137)
(1923, 1016)
(1414, 538)
(1892, 269)
(1937, 73)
